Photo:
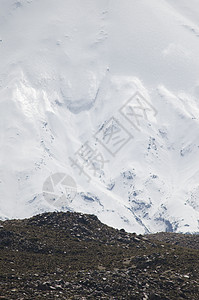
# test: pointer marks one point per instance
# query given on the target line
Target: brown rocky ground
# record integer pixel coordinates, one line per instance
(75, 256)
(188, 240)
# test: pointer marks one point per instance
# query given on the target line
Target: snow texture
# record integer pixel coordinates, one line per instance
(119, 79)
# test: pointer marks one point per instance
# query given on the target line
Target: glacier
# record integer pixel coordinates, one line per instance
(118, 79)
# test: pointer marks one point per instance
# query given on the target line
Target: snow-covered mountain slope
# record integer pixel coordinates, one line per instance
(107, 92)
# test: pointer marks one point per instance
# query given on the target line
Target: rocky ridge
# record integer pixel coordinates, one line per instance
(75, 256)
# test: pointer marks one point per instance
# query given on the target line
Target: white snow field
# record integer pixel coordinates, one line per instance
(106, 92)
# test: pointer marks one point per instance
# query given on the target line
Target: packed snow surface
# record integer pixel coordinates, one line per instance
(99, 111)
